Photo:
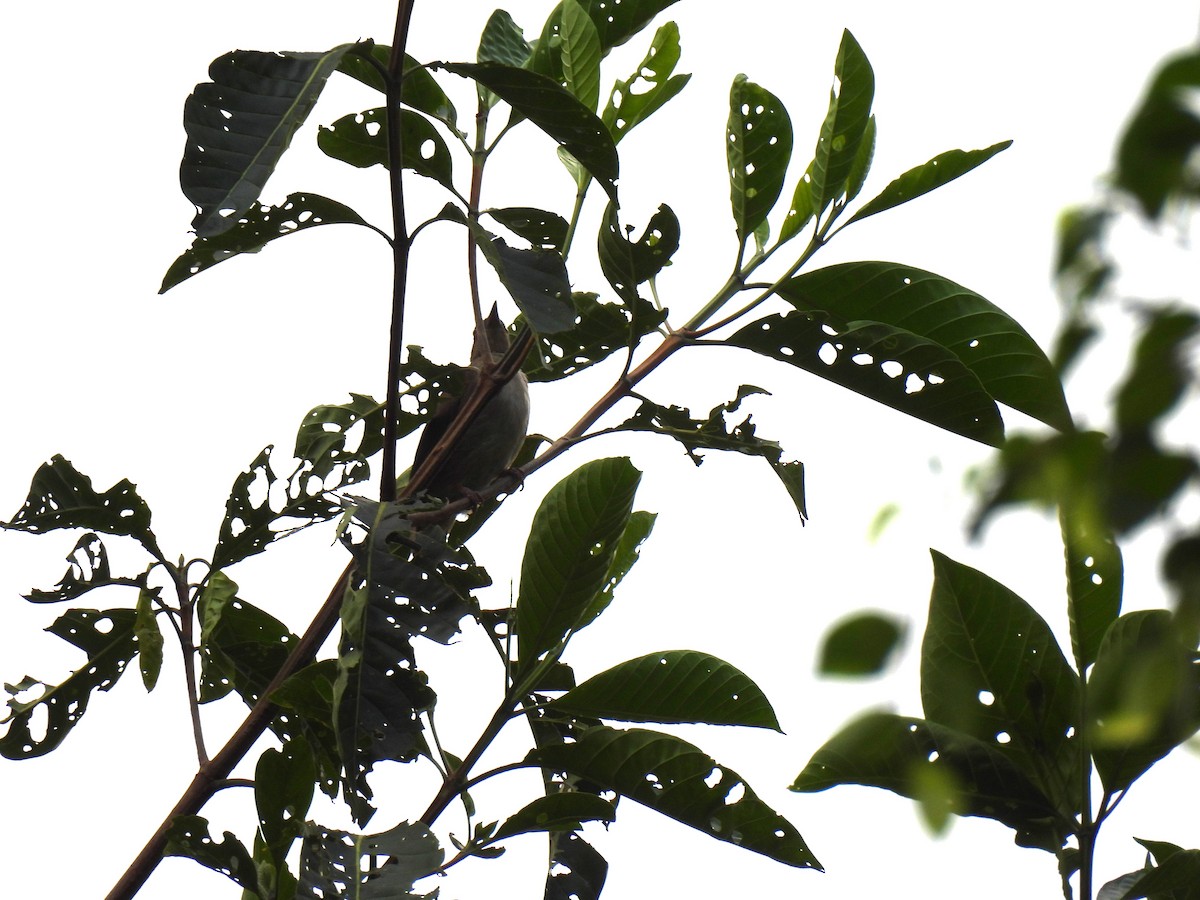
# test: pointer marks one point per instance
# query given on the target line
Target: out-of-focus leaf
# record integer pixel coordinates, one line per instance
(557, 812)
(149, 638)
(758, 147)
(188, 836)
(88, 569)
(62, 497)
(1094, 582)
(283, 792)
(108, 639)
(990, 668)
(635, 99)
(255, 228)
(1083, 265)
(679, 780)
(845, 123)
(360, 139)
(336, 864)
(861, 644)
(940, 170)
(1144, 478)
(1160, 371)
(671, 687)
(239, 125)
(889, 751)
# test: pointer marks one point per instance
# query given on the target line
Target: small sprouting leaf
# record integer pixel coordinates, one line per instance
(62, 497)
(108, 639)
(892, 752)
(88, 569)
(634, 100)
(257, 227)
(555, 111)
(575, 535)
(845, 123)
(149, 637)
(544, 230)
(859, 645)
(580, 49)
(239, 125)
(991, 668)
(940, 170)
(360, 139)
(677, 779)
(672, 687)
(627, 263)
(188, 836)
(557, 812)
(339, 864)
(758, 147)
(502, 41)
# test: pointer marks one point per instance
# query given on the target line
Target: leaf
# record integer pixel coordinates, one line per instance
(990, 668)
(557, 812)
(1161, 370)
(989, 342)
(678, 780)
(892, 752)
(671, 687)
(257, 227)
(640, 525)
(886, 364)
(1177, 876)
(62, 497)
(88, 569)
(336, 864)
(627, 263)
(802, 209)
(239, 125)
(108, 639)
(323, 436)
(544, 230)
(555, 111)
(502, 41)
(580, 49)
(361, 140)
(419, 90)
(575, 535)
(940, 170)
(615, 24)
(283, 792)
(758, 147)
(845, 123)
(1143, 696)
(536, 279)
(862, 161)
(577, 870)
(860, 645)
(651, 85)
(1094, 582)
(188, 836)
(149, 637)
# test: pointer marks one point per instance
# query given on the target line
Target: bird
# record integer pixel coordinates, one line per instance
(491, 442)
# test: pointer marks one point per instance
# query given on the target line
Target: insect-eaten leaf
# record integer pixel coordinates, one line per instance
(188, 836)
(758, 147)
(361, 140)
(651, 85)
(627, 263)
(339, 864)
(88, 568)
(557, 812)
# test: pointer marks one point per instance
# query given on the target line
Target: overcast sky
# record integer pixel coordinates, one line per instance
(178, 393)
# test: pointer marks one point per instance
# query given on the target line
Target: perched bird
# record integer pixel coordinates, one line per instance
(494, 437)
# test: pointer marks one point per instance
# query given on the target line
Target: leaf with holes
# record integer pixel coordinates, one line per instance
(615, 22)
(860, 645)
(758, 147)
(651, 85)
(88, 569)
(1006, 360)
(188, 836)
(1094, 582)
(361, 140)
(544, 230)
(677, 779)
(257, 227)
(580, 50)
(802, 210)
(845, 123)
(419, 89)
(62, 497)
(575, 535)
(109, 639)
(641, 523)
(336, 864)
(322, 438)
(239, 125)
(557, 812)
(627, 263)
(555, 111)
(671, 687)
(887, 364)
(991, 668)
(896, 752)
(940, 170)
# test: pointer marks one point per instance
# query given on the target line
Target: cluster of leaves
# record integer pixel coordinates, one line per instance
(910, 339)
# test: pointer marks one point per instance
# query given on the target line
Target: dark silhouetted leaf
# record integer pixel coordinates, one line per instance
(557, 812)
(335, 864)
(615, 24)
(88, 569)
(1160, 371)
(640, 525)
(758, 147)
(627, 263)
(545, 230)
(283, 792)
(149, 638)
(861, 644)
(577, 870)
(322, 436)
(420, 90)
(845, 123)
(1176, 877)
(862, 161)
(361, 140)
(536, 279)
(188, 836)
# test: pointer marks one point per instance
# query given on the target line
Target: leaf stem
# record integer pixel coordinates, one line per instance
(187, 642)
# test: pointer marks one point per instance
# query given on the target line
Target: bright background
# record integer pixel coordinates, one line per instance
(178, 393)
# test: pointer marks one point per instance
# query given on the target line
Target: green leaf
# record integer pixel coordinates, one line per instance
(557, 812)
(339, 864)
(887, 364)
(989, 342)
(640, 525)
(845, 123)
(671, 687)
(1176, 877)
(862, 161)
(536, 279)
(1161, 370)
(758, 147)
(323, 438)
(544, 230)
(615, 24)
(361, 140)
(580, 49)
(575, 535)
(1094, 582)
(677, 779)
(257, 227)
(651, 85)
(940, 170)
(188, 836)
(577, 870)
(108, 638)
(283, 793)
(88, 569)
(239, 125)
(627, 263)
(895, 752)
(62, 497)
(555, 111)
(861, 644)
(149, 637)
(419, 90)
(802, 209)
(1143, 696)
(990, 668)
(502, 41)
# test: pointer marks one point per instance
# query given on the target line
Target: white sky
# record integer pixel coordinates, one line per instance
(178, 393)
